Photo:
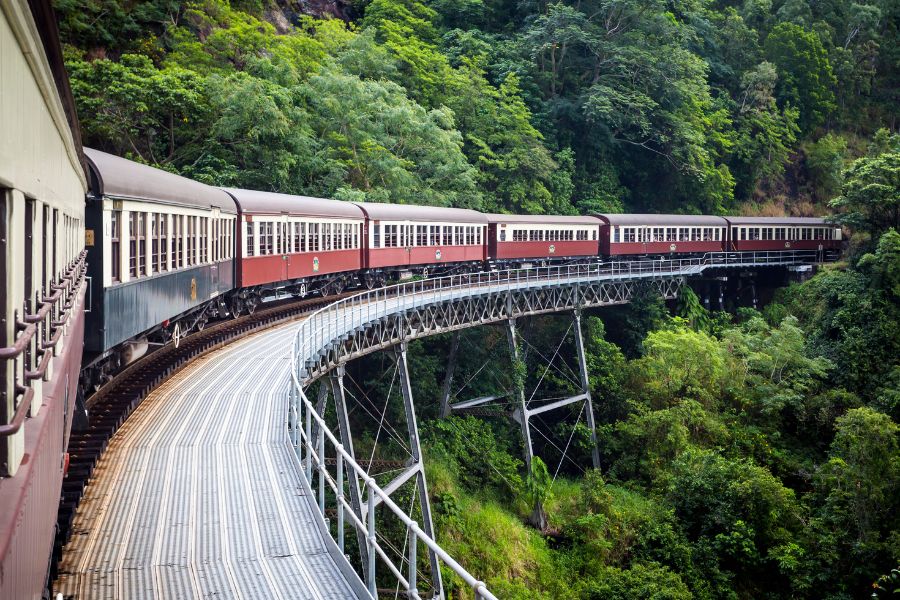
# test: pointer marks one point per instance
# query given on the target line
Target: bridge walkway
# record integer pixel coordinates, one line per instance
(199, 493)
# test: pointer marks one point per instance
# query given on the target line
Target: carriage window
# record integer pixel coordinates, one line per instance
(174, 241)
(163, 243)
(132, 245)
(435, 237)
(390, 236)
(615, 231)
(250, 239)
(421, 235)
(628, 234)
(204, 239)
(154, 242)
(312, 237)
(114, 220)
(216, 236)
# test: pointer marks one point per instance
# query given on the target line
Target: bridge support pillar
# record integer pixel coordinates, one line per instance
(586, 389)
(520, 390)
(340, 405)
(416, 449)
(448, 378)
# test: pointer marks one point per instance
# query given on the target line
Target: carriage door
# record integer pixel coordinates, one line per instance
(410, 237)
(283, 241)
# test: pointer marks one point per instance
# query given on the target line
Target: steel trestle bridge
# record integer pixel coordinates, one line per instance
(389, 318)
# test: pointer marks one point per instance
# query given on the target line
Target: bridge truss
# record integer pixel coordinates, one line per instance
(391, 317)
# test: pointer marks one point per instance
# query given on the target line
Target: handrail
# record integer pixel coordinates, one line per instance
(329, 323)
(30, 326)
(477, 586)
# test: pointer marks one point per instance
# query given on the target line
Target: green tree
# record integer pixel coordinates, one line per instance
(131, 107)
(858, 491)
(679, 364)
(870, 195)
(742, 519)
(805, 75)
(765, 133)
(825, 165)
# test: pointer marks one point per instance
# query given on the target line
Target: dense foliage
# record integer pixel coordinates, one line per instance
(497, 104)
(745, 457)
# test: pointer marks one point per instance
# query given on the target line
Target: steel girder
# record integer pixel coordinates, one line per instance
(481, 308)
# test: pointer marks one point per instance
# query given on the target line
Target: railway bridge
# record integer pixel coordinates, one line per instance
(229, 481)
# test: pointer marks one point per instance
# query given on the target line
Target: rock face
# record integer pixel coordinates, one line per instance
(288, 12)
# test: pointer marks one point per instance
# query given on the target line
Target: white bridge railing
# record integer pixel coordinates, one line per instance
(329, 324)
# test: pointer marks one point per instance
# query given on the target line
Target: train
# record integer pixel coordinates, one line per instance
(104, 259)
(167, 254)
(42, 289)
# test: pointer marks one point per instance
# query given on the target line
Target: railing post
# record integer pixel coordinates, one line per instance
(370, 525)
(411, 577)
(320, 451)
(307, 443)
(340, 498)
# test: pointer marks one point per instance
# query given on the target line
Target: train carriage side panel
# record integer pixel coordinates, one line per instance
(42, 187)
(401, 236)
(543, 236)
(747, 234)
(651, 234)
(286, 237)
(163, 242)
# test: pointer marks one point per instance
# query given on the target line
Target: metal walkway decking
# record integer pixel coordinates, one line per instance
(199, 493)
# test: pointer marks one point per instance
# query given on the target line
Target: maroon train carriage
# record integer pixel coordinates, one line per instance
(405, 238)
(632, 234)
(782, 233)
(297, 242)
(512, 238)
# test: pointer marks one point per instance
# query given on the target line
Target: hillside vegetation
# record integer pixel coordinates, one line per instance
(516, 105)
(744, 455)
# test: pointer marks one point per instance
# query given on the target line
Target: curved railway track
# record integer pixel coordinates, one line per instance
(115, 401)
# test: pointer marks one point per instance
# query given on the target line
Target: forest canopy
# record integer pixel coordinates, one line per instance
(503, 105)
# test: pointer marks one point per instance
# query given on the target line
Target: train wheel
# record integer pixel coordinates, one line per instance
(369, 281)
(338, 286)
(252, 303)
(201, 322)
(236, 306)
